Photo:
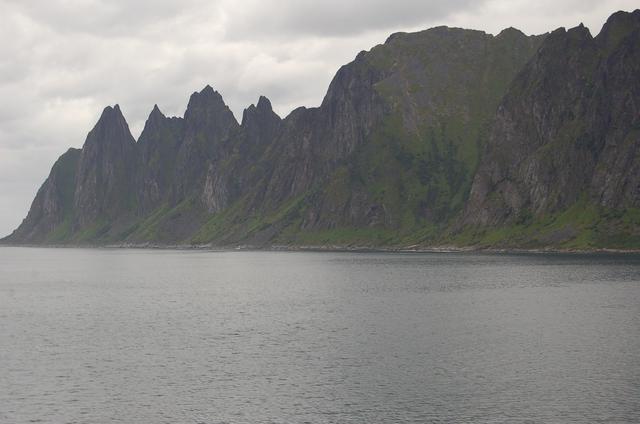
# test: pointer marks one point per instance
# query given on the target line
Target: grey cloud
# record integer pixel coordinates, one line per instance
(114, 17)
(282, 18)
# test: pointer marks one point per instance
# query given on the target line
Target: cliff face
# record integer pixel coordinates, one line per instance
(357, 162)
(158, 148)
(433, 137)
(105, 171)
(415, 142)
(566, 133)
(208, 122)
(50, 215)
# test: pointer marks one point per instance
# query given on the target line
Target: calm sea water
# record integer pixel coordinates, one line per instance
(137, 336)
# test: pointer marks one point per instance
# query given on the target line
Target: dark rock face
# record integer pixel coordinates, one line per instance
(260, 126)
(52, 207)
(420, 101)
(208, 122)
(311, 142)
(569, 127)
(158, 148)
(236, 173)
(423, 135)
(105, 172)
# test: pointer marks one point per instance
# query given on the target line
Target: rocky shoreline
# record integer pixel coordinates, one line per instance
(330, 248)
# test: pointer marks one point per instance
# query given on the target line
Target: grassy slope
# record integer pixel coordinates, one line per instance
(583, 226)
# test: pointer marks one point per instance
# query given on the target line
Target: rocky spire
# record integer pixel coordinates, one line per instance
(262, 113)
(207, 110)
(105, 170)
(208, 125)
(157, 150)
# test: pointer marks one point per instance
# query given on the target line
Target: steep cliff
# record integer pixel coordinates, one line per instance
(409, 176)
(213, 162)
(390, 153)
(158, 147)
(562, 165)
(104, 192)
(51, 213)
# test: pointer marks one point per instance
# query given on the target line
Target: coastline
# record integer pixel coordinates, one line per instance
(331, 248)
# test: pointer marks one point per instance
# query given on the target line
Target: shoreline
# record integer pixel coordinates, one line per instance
(330, 248)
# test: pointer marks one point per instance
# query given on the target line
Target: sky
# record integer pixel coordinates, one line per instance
(63, 61)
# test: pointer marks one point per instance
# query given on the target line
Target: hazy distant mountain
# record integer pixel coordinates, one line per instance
(445, 136)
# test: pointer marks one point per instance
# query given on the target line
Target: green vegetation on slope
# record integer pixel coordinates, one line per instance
(583, 226)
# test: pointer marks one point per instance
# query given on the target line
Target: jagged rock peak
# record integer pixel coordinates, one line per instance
(576, 33)
(264, 103)
(207, 101)
(510, 32)
(156, 111)
(111, 113)
(561, 42)
(156, 114)
(206, 96)
(580, 32)
(112, 126)
(618, 26)
(154, 121)
(261, 111)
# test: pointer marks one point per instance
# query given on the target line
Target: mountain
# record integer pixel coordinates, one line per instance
(106, 167)
(562, 164)
(442, 137)
(49, 218)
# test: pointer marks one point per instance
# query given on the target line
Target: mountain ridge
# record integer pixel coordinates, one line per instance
(408, 147)
(577, 147)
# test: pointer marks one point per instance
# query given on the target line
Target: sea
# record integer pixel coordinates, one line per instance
(193, 336)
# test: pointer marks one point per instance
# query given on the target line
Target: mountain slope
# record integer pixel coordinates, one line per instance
(359, 167)
(106, 168)
(563, 157)
(50, 216)
(441, 87)
(445, 136)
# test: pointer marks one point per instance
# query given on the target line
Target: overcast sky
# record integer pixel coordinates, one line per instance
(63, 61)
